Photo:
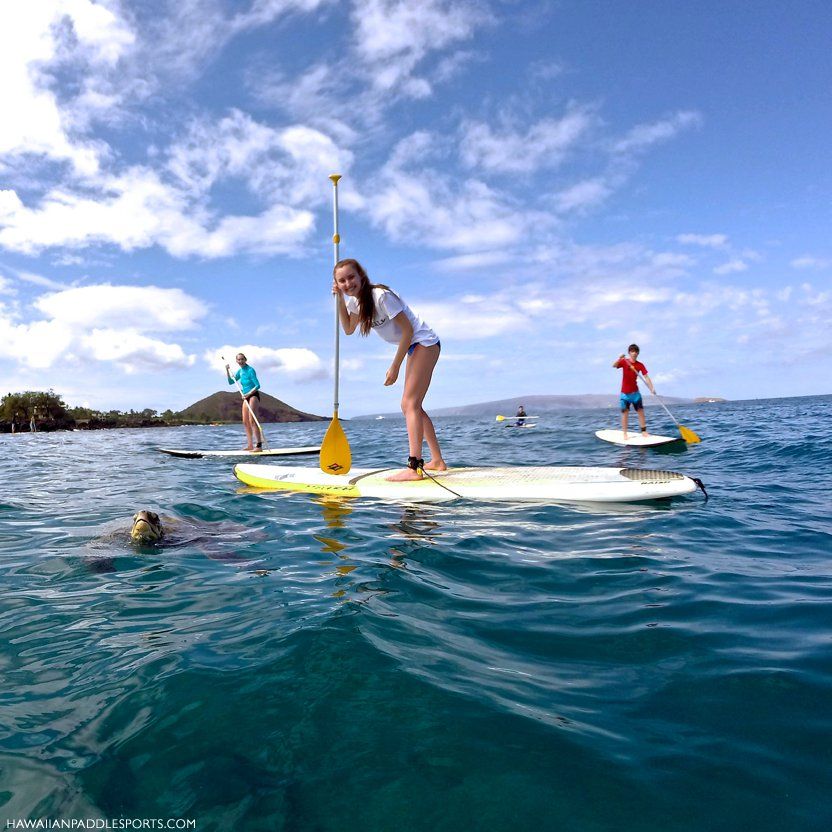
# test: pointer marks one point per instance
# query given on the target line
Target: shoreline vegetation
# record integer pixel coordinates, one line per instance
(46, 411)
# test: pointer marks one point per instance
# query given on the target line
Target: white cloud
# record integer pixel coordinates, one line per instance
(595, 190)
(298, 363)
(544, 144)
(706, 240)
(586, 194)
(35, 38)
(138, 210)
(644, 136)
(415, 203)
(669, 376)
(104, 323)
(731, 267)
(133, 351)
(291, 162)
(807, 261)
(477, 260)
(393, 37)
(65, 63)
(39, 280)
(37, 345)
(184, 36)
(146, 308)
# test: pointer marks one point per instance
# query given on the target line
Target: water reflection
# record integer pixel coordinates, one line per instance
(346, 545)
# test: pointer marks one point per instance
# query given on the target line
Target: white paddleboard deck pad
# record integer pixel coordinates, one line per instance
(541, 484)
(184, 454)
(635, 438)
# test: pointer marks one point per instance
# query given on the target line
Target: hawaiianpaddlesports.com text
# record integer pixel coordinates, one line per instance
(101, 823)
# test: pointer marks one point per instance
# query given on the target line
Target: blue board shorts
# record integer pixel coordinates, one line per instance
(633, 399)
(413, 347)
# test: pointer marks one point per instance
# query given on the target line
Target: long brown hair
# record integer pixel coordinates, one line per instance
(366, 304)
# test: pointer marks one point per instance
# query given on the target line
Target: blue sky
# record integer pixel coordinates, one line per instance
(544, 181)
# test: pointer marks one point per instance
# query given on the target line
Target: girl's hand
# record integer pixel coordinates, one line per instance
(335, 289)
(392, 375)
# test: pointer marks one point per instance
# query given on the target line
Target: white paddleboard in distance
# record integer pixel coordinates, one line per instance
(311, 449)
(578, 485)
(635, 438)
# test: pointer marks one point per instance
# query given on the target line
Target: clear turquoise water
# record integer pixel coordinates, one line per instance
(293, 664)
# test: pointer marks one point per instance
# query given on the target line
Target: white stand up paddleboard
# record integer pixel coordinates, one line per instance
(311, 449)
(580, 485)
(635, 438)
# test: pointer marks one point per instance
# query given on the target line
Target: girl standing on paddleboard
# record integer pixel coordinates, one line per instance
(365, 306)
(251, 394)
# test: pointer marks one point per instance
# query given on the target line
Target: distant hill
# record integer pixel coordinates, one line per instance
(225, 407)
(539, 404)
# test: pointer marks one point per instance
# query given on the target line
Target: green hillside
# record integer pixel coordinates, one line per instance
(225, 407)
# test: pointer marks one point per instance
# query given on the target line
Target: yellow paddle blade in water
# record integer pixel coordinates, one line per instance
(688, 435)
(501, 418)
(335, 449)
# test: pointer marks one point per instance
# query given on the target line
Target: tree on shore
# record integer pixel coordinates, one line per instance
(46, 408)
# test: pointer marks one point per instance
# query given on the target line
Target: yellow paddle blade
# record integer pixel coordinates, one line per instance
(688, 435)
(335, 450)
(501, 418)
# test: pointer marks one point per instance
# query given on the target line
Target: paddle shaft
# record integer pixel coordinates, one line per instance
(336, 239)
(687, 434)
(248, 405)
(335, 448)
(661, 402)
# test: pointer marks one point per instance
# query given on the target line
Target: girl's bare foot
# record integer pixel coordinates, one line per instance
(436, 465)
(405, 475)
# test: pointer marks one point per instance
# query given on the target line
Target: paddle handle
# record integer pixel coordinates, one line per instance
(336, 240)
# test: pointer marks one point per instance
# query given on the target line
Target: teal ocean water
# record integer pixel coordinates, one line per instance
(291, 663)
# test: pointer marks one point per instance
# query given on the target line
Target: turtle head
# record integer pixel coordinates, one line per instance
(147, 527)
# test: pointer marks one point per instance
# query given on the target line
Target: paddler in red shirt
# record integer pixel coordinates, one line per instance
(630, 395)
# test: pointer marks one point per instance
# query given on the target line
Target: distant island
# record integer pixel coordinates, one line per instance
(226, 407)
(541, 404)
(46, 411)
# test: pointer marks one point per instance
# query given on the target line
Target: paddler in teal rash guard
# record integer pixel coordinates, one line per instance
(251, 394)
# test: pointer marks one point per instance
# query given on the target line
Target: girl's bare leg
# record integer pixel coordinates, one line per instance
(247, 426)
(255, 431)
(416, 382)
(435, 463)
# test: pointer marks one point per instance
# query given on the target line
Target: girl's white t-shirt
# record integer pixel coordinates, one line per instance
(387, 305)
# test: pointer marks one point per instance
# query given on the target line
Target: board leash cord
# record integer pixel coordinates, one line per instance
(418, 464)
(701, 485)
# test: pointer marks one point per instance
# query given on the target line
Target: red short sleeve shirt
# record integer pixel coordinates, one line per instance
(628, 378)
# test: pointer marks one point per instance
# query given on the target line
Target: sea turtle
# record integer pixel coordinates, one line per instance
(147, 527)
(218, 540)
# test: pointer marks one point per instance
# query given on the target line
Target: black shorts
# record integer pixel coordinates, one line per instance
(250, 396)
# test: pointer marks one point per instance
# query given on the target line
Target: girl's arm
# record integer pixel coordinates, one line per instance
(404, 345)
(349, 320)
